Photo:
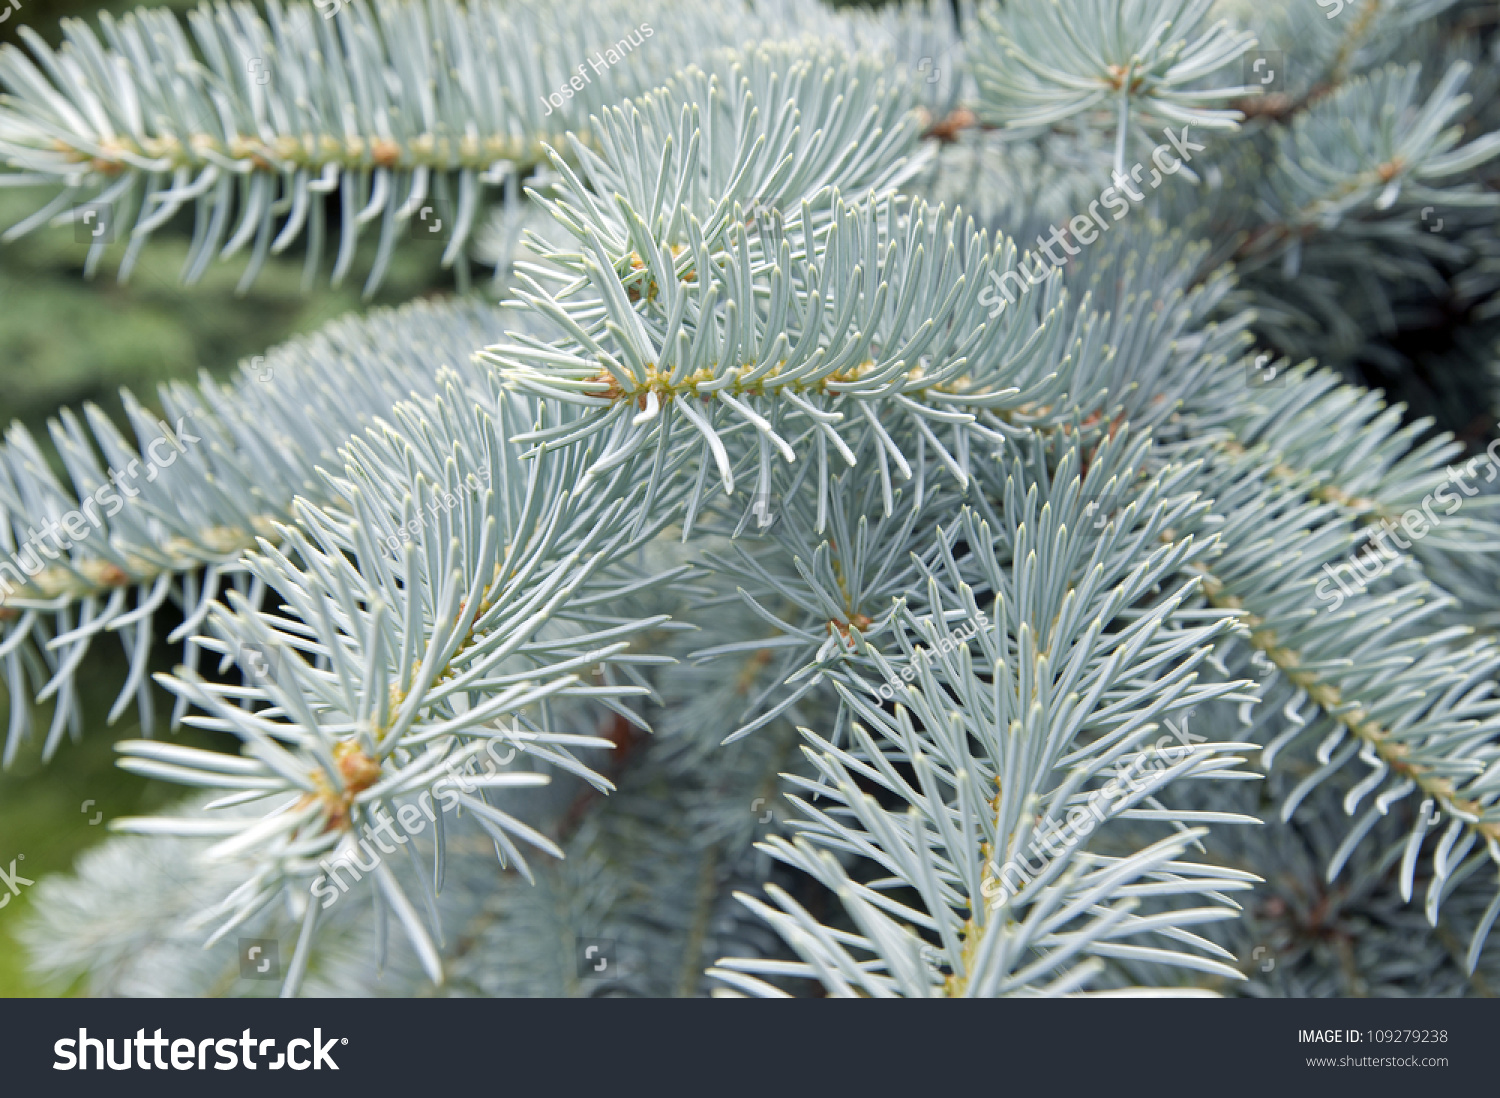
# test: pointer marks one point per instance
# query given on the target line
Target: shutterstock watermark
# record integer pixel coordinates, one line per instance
(594, 956)
(1365, 567)
(409, 819)
(12, 881)
(260, 959)
(1083, 227)
(30, 558)
(1082, 819)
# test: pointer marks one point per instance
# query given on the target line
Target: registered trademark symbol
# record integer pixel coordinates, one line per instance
(343, 1040)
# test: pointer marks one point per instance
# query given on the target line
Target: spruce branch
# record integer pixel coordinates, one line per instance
(174, 521)
(1360, 151)
(1413, 702)
(1077, 667)
(1138, 60)
(398, 107)
(384, 673)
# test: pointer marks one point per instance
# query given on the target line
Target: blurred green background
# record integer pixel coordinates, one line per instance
(65, 340)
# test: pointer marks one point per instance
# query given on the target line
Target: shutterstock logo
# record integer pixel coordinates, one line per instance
(189, 1055)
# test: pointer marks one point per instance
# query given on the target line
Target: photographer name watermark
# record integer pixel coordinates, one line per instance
(600, 62)
(956, 636)
(412, 530)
